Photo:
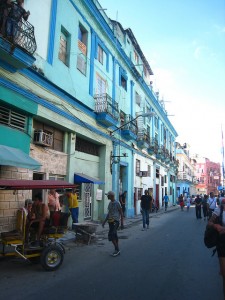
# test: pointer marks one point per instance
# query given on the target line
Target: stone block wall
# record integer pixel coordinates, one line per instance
(11, 201)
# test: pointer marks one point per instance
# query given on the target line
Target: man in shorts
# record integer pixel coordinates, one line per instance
(113, 217)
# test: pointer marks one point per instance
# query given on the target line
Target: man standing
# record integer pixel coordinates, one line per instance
(114, 215)
(212, 204)
(166, 200)
(146, 202)
(73, 205)
(123, 202)
(198, 205)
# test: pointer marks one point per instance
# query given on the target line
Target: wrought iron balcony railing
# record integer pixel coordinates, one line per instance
(19, 33)
(153, 145)
(103, 103)
(131, 124)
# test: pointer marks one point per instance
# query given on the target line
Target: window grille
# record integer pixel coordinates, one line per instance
(12, 119)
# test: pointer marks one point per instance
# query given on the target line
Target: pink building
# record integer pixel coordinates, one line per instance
(208, 176)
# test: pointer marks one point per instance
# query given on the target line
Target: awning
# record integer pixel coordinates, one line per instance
(9, 184)
(14, 157)
(82, 178)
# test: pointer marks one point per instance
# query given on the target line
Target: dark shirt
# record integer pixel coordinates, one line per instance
(198, 201)
(17, 13)
(146, 202)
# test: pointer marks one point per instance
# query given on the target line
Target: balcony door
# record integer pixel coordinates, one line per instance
(100, 85)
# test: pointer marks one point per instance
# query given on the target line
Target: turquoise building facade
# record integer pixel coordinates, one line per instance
(83, 93)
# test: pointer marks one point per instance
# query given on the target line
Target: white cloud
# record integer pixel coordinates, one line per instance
(197, 52)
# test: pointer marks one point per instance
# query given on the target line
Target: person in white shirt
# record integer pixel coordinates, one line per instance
(188, 202)
(211, 203)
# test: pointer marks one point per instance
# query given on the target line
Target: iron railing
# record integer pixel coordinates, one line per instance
(103, 103)
(129, 124)
(153, 145)
(19, 33)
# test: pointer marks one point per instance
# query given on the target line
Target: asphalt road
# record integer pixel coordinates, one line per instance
(169, 261)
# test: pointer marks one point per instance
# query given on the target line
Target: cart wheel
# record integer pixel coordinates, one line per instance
(51, 258)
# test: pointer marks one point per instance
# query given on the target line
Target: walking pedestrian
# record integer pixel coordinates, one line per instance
(205, 207)
(198, 204)
(188, 203)
(146, 203)
(219, 213)
(113, 218)
(211, 203)
(181, 202)
(166, 200)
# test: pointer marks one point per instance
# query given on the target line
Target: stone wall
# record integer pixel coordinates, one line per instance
(11, 201)
(53, 162)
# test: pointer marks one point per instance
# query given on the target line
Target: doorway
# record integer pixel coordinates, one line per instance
(87, 201)
(38, 176)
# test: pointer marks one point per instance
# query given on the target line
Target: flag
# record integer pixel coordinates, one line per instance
(222, 151)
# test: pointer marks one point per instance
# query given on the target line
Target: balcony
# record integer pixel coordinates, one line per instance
(167, 156)
(184, 176)
(129, 131)
(107, 111)
(17, 43)
(153, 146)
(143, 139)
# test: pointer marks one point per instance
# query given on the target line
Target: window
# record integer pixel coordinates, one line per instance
(82, 46)
(157, 173)
(82, 35)
(137, 99)
(123, 82)
(148, 132)
(100, 85)
(139, 193)
(165, 178)
(56, 177)
(149, 171)
(162, 181)
(156, 123)
(13, 119)
(145, 71)
(86, 147)
(136, 58)
(64, 47)
(122, 118)
(138, 167)
(100, 54)
(82, 63)
(58, 135)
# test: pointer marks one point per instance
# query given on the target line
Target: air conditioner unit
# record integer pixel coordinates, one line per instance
(43, 138)
(143, 173)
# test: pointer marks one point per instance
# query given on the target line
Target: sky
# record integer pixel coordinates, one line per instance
(184, 43)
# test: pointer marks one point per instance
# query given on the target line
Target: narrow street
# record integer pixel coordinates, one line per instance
(168, 261)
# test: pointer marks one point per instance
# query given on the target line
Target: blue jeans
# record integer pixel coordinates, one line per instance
(75, 213)
(166, 205)
(145, 217)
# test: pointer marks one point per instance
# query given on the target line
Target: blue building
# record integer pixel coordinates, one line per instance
(82, 87)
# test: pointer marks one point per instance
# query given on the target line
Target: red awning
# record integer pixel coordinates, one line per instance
(34, 184)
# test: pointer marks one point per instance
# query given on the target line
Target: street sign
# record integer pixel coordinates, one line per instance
(220, 188)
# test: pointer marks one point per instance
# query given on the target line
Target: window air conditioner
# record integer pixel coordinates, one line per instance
(143, 173)
(43, 138)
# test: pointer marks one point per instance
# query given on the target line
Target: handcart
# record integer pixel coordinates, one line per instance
(85, 231)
